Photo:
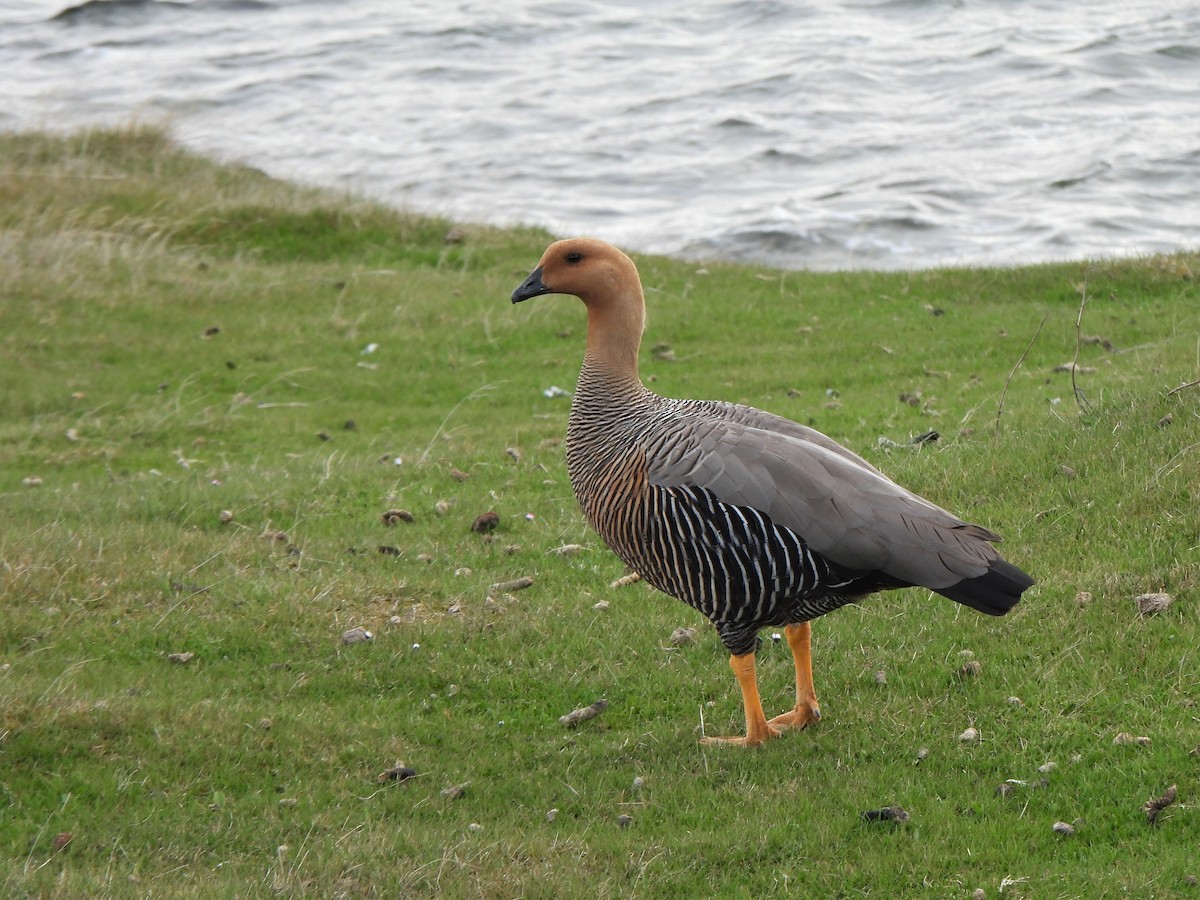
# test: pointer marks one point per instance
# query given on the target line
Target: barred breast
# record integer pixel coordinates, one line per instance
(730, 562)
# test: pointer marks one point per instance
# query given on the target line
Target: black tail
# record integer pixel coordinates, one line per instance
(995, 592)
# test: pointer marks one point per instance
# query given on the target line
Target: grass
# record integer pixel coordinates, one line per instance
(182, 338)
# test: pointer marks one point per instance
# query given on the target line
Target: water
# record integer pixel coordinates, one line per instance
(872, 133)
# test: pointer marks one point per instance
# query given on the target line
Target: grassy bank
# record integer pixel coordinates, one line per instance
(214, 384)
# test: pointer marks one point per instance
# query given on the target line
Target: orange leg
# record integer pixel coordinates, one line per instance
(758, 730)
(807, 709)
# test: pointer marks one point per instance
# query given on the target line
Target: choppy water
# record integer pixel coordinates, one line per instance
(862, 133)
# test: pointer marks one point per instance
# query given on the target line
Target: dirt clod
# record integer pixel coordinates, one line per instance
(887, 814)
(681, 637)
(1153, 807)
(575, 716)
(518, 584)
(1151, 604)
(358, 635)
(625, 580)
(396, 773)
(1124, 738)
(486, 522)
(393, 516)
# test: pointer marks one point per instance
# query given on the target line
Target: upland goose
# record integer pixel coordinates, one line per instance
(751, 518)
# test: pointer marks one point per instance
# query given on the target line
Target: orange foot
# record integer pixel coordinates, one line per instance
(802, 716)
(750, 740)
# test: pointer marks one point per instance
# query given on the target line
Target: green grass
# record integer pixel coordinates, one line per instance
(181, 337)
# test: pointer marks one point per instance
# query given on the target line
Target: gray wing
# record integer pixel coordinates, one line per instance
(837, 502)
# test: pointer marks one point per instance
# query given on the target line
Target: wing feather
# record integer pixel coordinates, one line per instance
(839, 504)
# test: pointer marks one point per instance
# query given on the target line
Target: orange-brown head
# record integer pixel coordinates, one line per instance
(606, 280)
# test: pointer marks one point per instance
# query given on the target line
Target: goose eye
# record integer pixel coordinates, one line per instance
(573, 258)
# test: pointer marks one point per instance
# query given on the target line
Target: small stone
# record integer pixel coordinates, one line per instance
(638, 783)
(881, 677)
(61, 840)
(969, 736)
(474, 827)
(442, 507)
(970, 669)
(1065, 828)
(455, 792)
(32, 481)
(566, 550)
(388, 550)
(624, 821)
(1165, 421)
(264, 724)
(288, 802)
(1150, 604)
(485, 522)
(181, 659)
(513, 453)
(601, 606)
(358, 635)
(922, 753)
(1083, 598)
(979, 894)
(459, 475)
(1015, 701)
(392, 516)
(681, 637)
(1047, 768)
(551, 814)
(225, 516)
(1067, 472)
